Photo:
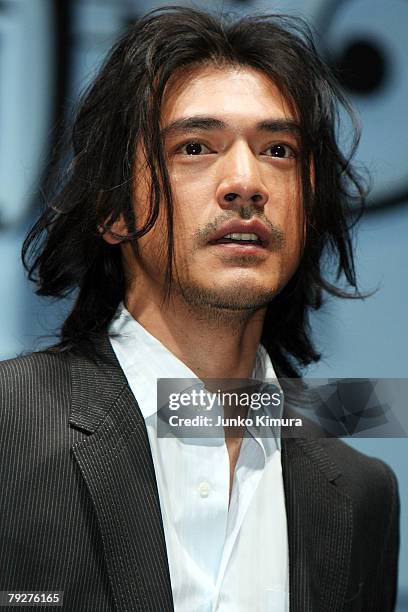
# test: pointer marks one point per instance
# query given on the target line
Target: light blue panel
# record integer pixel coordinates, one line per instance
(12, 304)
(368, 338)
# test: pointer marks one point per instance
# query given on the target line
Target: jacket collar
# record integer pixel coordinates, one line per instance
(319, 514)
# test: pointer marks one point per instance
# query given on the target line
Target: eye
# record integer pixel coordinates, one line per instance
(280, 150)
(194, 148)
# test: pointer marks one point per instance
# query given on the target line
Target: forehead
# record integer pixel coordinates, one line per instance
(240, 94)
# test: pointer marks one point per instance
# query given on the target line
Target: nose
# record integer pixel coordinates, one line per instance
(240, 180)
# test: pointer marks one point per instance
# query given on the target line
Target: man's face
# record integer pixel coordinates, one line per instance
(232, 152)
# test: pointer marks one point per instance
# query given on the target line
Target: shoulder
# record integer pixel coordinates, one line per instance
(368, 481)
(33, 370)
(358, 469)
(358, 474)
(30, 383)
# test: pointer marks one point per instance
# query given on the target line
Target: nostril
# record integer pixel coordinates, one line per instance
(230, 197)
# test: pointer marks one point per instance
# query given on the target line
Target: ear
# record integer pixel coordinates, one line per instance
(118, 227)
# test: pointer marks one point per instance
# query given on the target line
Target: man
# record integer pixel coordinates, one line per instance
(205, 187)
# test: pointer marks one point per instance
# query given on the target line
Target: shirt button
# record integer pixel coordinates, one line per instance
(204, 489)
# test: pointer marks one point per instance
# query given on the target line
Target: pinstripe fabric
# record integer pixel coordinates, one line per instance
(343, 527)
(49, 538)
(79, 508)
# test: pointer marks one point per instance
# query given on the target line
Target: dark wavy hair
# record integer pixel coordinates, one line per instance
(64, 251)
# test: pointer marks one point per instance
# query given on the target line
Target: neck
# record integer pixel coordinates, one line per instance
(213, 343)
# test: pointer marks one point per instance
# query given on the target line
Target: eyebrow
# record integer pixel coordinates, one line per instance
(203, 123)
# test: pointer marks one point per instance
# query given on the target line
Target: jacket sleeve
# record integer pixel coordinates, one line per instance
(380, 588)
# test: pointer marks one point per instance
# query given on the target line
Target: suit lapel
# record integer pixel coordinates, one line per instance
(319, 517)
(116, 464)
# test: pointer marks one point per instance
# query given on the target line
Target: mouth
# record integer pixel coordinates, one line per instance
(239, 243)
(245, 236)
(242, 238)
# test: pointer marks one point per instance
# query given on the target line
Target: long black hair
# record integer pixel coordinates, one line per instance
(64, 251)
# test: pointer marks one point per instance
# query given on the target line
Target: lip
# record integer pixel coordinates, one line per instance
(239, 249)
(236, 226)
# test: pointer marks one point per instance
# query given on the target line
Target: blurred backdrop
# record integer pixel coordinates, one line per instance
(50, 49)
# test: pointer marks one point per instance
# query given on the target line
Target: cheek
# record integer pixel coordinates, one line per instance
(295, 245)
(191, 212)
(287, 214)
(295, 234)
(192, 177)
(193, 195)
(285, 207)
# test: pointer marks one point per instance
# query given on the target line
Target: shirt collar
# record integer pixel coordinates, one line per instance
(144, 359)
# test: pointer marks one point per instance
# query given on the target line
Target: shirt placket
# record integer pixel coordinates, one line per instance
(247, 475)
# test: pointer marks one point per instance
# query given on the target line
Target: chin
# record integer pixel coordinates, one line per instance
(248, 296)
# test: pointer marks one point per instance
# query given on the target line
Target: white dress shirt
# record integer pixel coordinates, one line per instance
(225, 555)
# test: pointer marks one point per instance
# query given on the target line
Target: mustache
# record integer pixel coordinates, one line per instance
(277, 235)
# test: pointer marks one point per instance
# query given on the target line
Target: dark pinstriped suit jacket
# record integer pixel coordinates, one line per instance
(79, 507)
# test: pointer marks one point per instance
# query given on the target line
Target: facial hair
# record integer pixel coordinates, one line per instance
(234, 303)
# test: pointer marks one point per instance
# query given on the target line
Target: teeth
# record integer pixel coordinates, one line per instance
(253, 237)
